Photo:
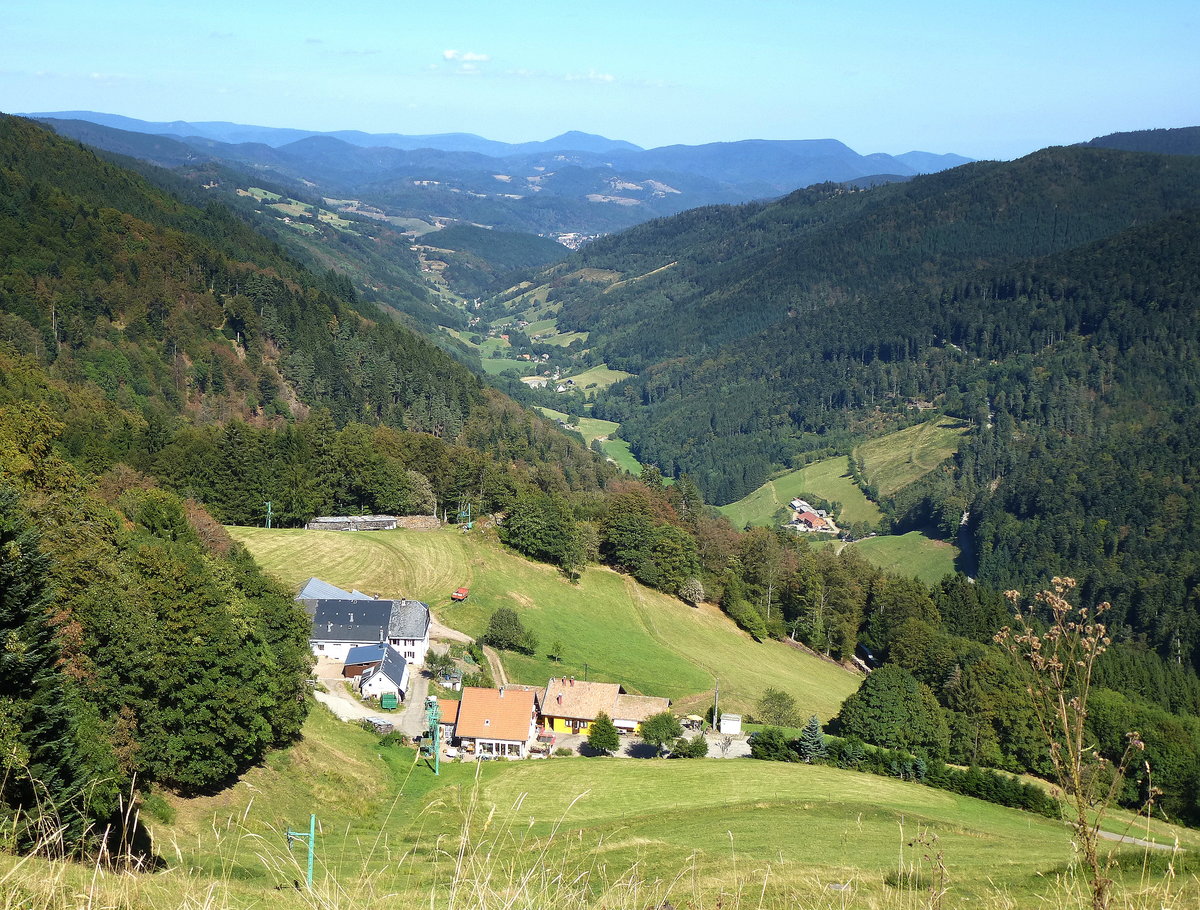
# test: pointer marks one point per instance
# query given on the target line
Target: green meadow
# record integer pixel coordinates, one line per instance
(575, 833)
(912, 554)
(894, 461)
(610, 627)
(829, 479)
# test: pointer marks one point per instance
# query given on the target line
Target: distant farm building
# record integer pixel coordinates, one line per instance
(571, 705)
(353, 523)
(390, 677)
(345, 620)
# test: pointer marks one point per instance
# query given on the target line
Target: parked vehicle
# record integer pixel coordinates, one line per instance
(460, 594)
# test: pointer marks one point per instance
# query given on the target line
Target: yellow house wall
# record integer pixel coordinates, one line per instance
(561, 725)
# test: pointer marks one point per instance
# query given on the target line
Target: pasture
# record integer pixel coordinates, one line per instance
(610, 627)
(575, 833)
(829, 479)
(894, 461)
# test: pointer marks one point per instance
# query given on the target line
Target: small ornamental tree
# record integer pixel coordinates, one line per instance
(506, 632)
(692, 591)
(603, 735)
(812, 741)
(777, 709)
(660, 729)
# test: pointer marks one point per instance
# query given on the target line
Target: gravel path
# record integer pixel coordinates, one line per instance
(1137, 841)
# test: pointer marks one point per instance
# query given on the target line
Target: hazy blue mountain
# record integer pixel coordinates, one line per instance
(929, 163)
(161, 150)
(576, 183)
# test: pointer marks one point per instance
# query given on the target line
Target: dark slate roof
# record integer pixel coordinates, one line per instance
(392, 667)
(351, 620)
(409, 619)
(365, 654)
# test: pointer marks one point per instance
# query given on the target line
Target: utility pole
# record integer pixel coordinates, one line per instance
(433, 717)
(268, 505)
(716, 702)
(312, 838)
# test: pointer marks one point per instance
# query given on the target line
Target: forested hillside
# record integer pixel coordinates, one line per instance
(1052, 302)
(159, 364)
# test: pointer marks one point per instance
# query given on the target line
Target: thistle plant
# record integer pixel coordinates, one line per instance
(1063, 658)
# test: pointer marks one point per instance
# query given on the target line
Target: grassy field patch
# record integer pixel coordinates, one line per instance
(894, 461)
(911, 554)
(589, 427)
(599, 376)
(829, 479)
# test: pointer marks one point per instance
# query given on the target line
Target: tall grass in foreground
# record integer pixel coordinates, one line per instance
(493, 861)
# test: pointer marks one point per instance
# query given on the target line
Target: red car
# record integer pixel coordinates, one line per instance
(460, 594)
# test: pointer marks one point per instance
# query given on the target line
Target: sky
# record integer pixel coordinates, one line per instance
(981, 79)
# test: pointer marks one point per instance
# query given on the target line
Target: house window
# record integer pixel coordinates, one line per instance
(320, 647)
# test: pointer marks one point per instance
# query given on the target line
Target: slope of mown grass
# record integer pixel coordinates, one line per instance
(589, 428)
(894, 461)
(610, 627)
(829, 479)
(911, 555)
(601, 376)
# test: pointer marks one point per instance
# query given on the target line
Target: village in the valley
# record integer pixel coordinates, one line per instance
(373, 666)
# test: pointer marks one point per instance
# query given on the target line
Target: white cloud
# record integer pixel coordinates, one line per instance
(590, 76)
(465, 56)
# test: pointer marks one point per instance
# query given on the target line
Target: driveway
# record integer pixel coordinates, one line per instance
(336, 698)
(410, 719)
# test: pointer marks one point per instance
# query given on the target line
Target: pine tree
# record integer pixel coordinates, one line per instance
(812, 741)
(603, 735)
(41, 767)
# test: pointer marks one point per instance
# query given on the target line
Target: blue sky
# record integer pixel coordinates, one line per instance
(987, 80)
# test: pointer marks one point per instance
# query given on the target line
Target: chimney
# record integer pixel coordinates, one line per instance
(352, 617)
(559, 697)
(502, 691)
(572, 680)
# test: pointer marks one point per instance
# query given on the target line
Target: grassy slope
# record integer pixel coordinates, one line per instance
(829, 479)
(911, 554)
(614, 447)
(568, 832)
(610, 627)
(600, 377)
(589, 427)
(897, 459)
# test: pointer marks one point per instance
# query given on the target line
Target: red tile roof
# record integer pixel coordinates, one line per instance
(495, 714)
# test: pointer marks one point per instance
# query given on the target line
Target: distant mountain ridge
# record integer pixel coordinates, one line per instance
(576, 183)
(1181, 141)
